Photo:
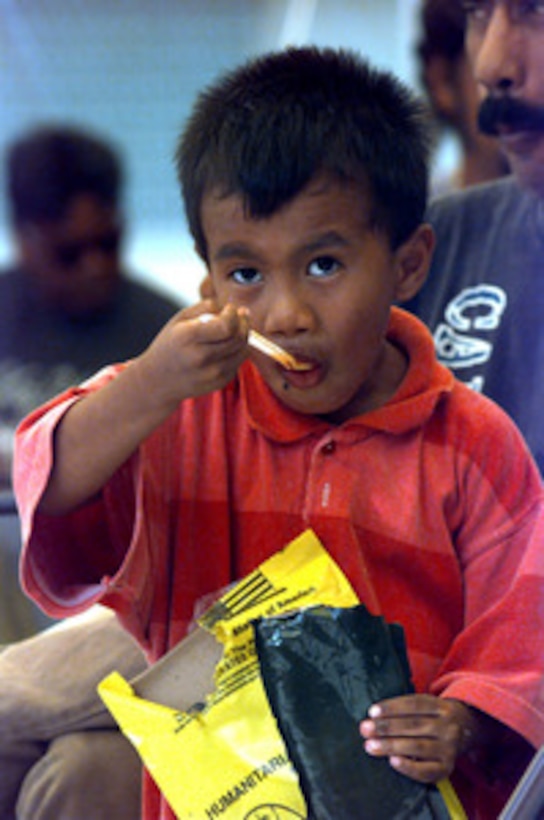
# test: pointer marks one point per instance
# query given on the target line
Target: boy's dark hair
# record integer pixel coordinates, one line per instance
(50, 165)
(266, 128)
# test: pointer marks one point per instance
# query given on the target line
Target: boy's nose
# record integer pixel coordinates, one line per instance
(498, 52)
(287, 315)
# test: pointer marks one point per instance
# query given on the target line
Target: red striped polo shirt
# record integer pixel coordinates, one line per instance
(431, 505)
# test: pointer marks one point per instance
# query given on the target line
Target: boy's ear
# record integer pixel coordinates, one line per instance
(206, 288)
(413, 262)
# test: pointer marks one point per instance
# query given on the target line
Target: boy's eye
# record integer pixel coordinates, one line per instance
(246, 276)
(323, 266)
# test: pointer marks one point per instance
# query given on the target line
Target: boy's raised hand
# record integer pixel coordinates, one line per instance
(422, 735)
(189, 357)
(199, 350)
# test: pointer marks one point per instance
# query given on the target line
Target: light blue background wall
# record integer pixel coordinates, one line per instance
(130, 69)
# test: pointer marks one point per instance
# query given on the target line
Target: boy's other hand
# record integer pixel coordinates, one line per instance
(422, 735)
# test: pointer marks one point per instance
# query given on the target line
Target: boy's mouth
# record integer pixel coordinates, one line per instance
(287, 360)
(298, 363)
(304, 379)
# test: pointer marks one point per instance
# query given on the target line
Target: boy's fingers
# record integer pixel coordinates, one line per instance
(230, 323)
(428, 771)
(407, 705)
(404, 726)
(410, 715)
(421, 749)
(426, 759)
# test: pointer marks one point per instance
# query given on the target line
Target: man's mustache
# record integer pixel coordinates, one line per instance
(507, 111)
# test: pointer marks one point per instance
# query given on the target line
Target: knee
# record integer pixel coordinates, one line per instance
(92, 774)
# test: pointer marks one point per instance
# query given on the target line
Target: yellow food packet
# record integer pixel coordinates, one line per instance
(226, 758)
(223, 756)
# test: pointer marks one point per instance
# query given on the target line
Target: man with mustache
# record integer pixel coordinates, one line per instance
(484, 299)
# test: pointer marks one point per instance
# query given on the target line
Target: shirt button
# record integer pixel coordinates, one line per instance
(328, 448)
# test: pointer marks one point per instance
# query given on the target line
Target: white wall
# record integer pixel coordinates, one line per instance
(131, 69)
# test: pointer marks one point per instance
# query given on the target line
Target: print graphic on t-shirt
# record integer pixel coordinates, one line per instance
(465, 338)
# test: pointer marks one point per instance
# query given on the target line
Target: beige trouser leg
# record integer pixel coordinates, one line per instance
(49, 706)
(91, 775)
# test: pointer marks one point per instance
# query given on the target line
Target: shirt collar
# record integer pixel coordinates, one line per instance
(422, 387)
(269, 415)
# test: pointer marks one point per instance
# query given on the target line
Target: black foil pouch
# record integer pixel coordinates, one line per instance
(322, 669)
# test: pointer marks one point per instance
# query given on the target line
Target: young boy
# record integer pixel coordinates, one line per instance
(304, 179)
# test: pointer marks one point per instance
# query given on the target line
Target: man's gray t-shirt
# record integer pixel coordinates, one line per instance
(484, 298)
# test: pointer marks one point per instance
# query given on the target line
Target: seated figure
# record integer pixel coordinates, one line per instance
(61, 754)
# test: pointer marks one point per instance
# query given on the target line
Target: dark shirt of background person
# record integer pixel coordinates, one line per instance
(68, 304)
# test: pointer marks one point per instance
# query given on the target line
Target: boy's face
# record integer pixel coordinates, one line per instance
(320, 282)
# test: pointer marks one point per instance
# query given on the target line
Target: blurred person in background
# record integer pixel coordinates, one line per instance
(68, 306)
(446, 77)
(67, 303)
(484, 298)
